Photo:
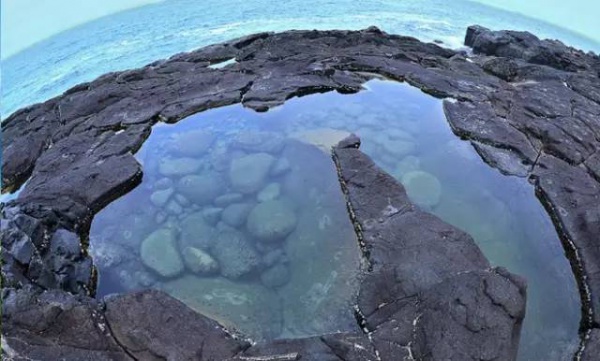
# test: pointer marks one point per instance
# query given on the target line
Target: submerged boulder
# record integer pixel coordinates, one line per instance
(247, 174)
(200, 189)
(212, 215)
(159, 253)
(235, 254)
(193, 143)
(198, 261)
(255, 141)
(173, 208)
(227, 199)
(160, 197)
(269, 193)
(281, 166)
(196, 232)
(271, 221)
(276, 276)
(235, 214)
(176, 167)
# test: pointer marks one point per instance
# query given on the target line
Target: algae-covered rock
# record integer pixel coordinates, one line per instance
(248, 173)
(176, 167)
(271, 221)
(423, 188)
(250, 308)
(196, 232)
(158, 252)
(235, 254)
(200, 189)
(198, 261)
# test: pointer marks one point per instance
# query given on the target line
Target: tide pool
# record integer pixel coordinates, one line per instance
(240, 215)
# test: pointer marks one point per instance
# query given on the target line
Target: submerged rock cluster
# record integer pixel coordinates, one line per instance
(203, 215)
(529, 107)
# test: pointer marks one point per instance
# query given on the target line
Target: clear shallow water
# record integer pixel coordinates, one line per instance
(406, 133)
(140, 36)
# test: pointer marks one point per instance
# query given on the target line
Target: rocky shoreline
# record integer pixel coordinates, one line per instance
(530, 107)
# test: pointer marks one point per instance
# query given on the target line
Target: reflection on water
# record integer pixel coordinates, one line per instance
(240, 215)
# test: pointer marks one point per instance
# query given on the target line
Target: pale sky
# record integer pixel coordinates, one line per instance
(26, 22)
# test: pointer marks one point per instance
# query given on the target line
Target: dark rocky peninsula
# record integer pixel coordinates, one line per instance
(530, 107)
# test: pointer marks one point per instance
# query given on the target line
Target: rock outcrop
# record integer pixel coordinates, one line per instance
(530, 107)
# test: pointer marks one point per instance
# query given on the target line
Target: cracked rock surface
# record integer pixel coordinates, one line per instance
(530, 107)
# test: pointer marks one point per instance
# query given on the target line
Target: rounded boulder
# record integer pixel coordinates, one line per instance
(271, 221)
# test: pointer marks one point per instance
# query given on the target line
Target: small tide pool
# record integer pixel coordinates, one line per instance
(240, 215)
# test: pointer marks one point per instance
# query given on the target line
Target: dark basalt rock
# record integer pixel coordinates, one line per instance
(54, 325)
(40, 252)
(530, 107)
(591, 352)
(526, 46)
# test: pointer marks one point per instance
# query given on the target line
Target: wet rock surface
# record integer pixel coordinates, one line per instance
(530, 107)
